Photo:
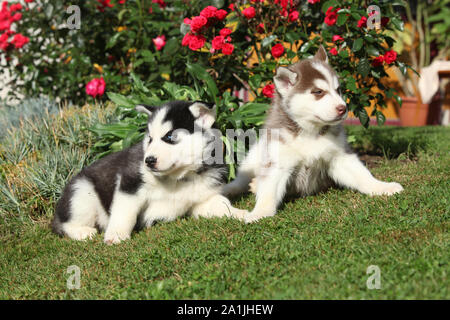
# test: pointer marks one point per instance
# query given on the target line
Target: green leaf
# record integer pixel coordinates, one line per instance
(351, 84)
(357, 44)
(329, 3)
(198, 72)
(380, 118)
(305, 47)
(398, 99)
(138, 84)
(398, 24)
(342, 19)
(112, 41)
(120, 100)
(255, 81)
(343, 54)
(121, 13)
(363, 67)
(372, 51)
(363, 117)
(268, 40)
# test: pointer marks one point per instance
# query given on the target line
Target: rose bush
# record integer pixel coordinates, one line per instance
(215, 48)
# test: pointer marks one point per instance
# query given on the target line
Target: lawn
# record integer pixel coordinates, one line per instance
(317, 247)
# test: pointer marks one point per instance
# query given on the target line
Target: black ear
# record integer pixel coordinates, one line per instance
(144, 109)
(321, 54)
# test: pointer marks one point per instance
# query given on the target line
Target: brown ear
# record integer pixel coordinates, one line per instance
(321, 54)
(284, 80)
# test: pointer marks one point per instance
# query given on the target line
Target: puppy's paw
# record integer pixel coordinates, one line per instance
(239, 214)
(253, 186)
(387, 188)
(115, 237)
(256, 216)
(80, 233)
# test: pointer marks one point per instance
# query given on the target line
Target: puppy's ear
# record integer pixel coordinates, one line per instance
(284, 80)
(204, 113)
(321, 54)
(144, 109)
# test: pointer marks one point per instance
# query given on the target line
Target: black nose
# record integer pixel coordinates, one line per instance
(150, 161)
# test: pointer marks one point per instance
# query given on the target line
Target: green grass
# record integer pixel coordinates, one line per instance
(317, 247)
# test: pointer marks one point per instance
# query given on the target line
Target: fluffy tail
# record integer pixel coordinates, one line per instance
(239, 185)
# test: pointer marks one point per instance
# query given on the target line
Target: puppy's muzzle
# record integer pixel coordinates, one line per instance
(151, 162)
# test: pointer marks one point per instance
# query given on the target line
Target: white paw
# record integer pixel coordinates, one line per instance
(81, 233)
(253, 186)
(387, 188)
(115, 237)
(239, 214)
(255, 216)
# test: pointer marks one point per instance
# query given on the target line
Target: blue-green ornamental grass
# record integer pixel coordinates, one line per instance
(318, 247)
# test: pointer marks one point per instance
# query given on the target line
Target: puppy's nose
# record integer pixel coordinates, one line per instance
(341, 109)
(150, 161)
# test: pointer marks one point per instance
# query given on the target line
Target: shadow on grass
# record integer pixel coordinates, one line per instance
(389, 142)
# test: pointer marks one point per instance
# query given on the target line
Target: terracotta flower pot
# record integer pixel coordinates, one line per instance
(413, 113)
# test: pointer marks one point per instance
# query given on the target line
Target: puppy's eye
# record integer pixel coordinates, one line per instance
(150, 139)
(169, 138)
(317, 91)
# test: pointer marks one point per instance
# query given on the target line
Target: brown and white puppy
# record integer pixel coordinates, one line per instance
(305, 148)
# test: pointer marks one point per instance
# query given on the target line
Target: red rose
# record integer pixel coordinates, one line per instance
(196, 42)
(260, 28)
(293, 16)
(225, 32)
(384, 21)
(208, 12)
(4, 44)
(390, 56)
(186, 39)
(378, 61)
(19, 41)
(17, 16)
(249, 12)
(268, 90)
(103, 4)
(15, 7)
(161, 3)
(313, 1)
(277, 50)
(284, 3)
(331, 16)
(95, 87)
(159, 42)
(187, 21)
(333, 51)
(337, 38)
(227, 49)
(218, 42)
(362, 23)
(198, 23)
(221, 14)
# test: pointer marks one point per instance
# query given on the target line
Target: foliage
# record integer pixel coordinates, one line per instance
(38, 155)
(257, 44)
(424, 40)
(149, 40)
(112, 41)
(28, 109)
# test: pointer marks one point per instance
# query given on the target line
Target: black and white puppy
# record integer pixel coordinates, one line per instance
(159, 179)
